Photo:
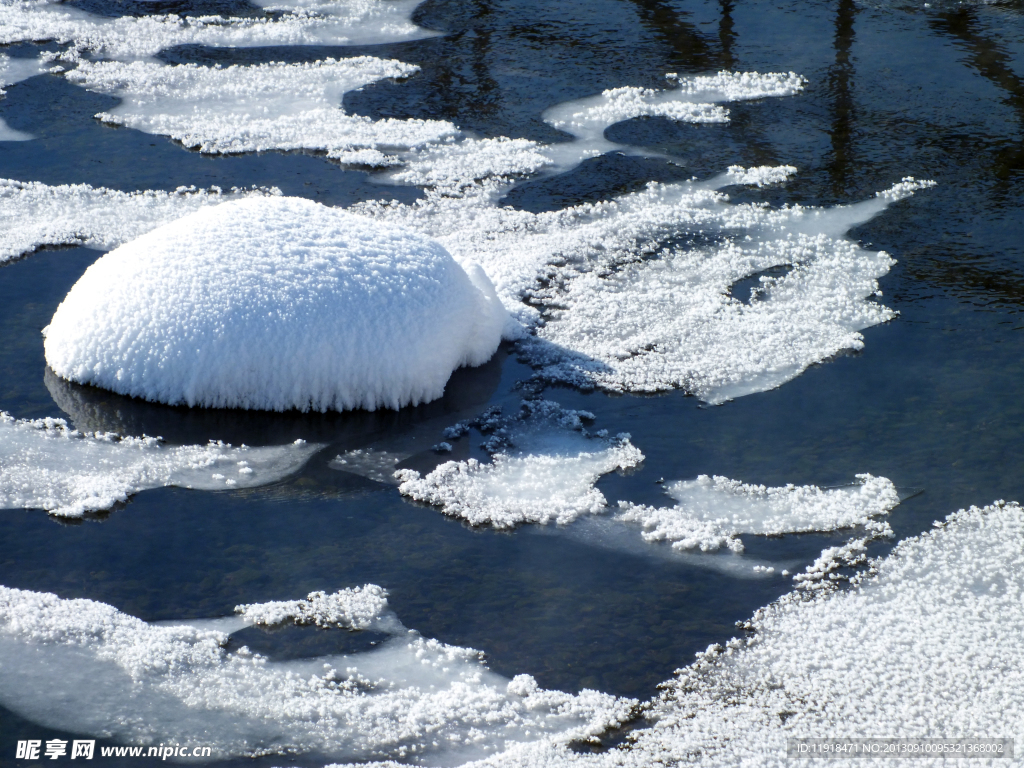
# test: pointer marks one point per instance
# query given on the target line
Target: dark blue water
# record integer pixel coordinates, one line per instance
(934, 401)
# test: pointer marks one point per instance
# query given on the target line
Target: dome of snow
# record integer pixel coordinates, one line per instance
(276, 303)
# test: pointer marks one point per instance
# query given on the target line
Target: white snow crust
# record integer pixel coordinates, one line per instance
(257, 107)
(275, 303)
(353, 608)
(543, 469)
(46, 465)
(33, 215)
(710, 512)
(925, 644)
(304, 22)
(83, 666)
(636, 294)
(14, 71)
(692, 100)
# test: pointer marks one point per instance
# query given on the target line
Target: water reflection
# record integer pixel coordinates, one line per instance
(97, 410)
(840, 84)
(691, 50)
(991, 61)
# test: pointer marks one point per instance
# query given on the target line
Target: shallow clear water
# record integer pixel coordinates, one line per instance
(932, 402)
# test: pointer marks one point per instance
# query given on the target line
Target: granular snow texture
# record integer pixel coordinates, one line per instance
(275, 304)
(46, 465)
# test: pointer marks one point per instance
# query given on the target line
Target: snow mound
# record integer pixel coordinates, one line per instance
(711, 511)
(273, 304)
(68, 663)
(45, 465)
(257, 107)
(543, 470)
(354, 608)
(36, 215)
(300, 22)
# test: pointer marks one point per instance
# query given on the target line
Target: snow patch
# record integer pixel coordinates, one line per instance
(354, 608)
(36, 215)
(710, 512)
(298, 306)
(69, 663)
(258, 107)
(924, 645)
(543, 470)
(46, 465)
(303, 22)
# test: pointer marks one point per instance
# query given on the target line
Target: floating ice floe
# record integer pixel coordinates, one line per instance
(710, 512)
(14, 71)
(276, 303)
(258, 107)
(33, 215)
(46, 465)
(544, 466)
(83, 666)
(642, 293)
(300, 22)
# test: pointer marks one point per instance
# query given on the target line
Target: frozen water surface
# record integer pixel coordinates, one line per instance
(37, 215)
(711, 511)
(756, 261)
(543, 469)
(411, 697)
(260, 107)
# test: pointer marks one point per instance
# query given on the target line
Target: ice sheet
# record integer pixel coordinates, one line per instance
(636, 291)
(33, 215)
(303, 22)
(257, 107)
(85, 667)
(46, 465)
(691, 100)
(14, 71)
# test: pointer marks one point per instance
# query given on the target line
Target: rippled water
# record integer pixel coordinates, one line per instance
(932, 402)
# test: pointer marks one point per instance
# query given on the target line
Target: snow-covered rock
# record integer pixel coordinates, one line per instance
(276, 303)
